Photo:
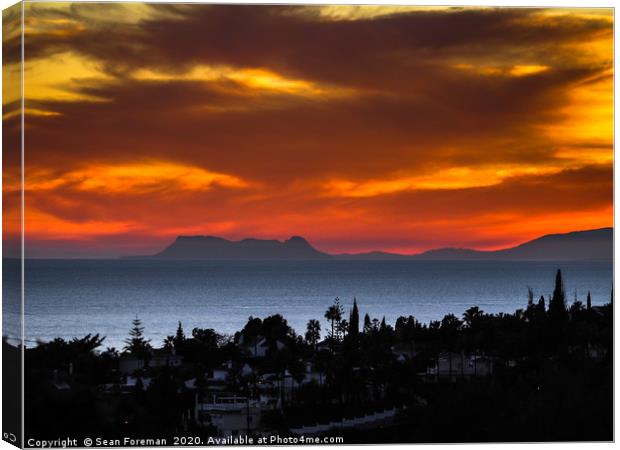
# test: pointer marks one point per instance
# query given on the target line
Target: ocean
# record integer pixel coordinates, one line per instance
(71, 298)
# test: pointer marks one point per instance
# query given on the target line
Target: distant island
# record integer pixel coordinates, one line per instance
(589, 245)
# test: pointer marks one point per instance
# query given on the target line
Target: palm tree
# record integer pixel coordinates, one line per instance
(471, 316)
(342, 328)
(112, 352)
(313, 332)
(334, 314)
(169, 342)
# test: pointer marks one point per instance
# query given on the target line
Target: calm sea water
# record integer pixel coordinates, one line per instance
(71, 298)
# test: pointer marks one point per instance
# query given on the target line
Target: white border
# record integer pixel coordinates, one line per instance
(513, 3)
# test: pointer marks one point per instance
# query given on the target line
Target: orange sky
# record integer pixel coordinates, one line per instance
(359, 128)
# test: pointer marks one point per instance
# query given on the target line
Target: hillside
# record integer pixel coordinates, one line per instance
(575, 246)
(216, 248)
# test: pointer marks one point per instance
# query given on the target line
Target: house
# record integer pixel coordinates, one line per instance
(163, 358)
(590, 351)
(260, 348)
(268, 391)
(221, 372)
(61, 386)
(480, 365)
(127, 386)
(324, 345)
(311, 374)
(60, 380)
(190, 384)
(231, 414)
(136, 382)
(275, 387)
(246, 370)
(128, 364)
(403, 352)
(454, 365)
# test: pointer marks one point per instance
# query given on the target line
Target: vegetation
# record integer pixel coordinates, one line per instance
(538, 374)
(136, 344)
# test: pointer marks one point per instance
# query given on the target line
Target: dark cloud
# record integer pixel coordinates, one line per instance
(382, 53)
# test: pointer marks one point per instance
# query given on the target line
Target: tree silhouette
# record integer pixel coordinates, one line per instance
(576, 308)
(252, 331)
(136, 345)
(169, 342)
(405, 328)
(542, 309)
(589, 302)
(111, 352)
(334, 314)
(179, 338)
(450, 326)
(557, 305)
(313, 332)
(472, 316)
(367, 324)
(276, 328)
(354, 320)
(207, 337)
(557, 314)
(342, 328)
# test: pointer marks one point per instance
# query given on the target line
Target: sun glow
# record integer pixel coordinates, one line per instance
(445, 179)
(132, 178)
(519, 70)
(253, 80)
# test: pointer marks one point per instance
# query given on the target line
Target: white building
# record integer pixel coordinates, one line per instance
(231, 414)
(454, 365)
(129, 364)
(260, 348)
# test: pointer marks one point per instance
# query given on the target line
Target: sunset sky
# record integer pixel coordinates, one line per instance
(360, 128)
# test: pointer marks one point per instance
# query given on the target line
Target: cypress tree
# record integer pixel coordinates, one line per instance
(558, 314)
(589, 302)
(557, 305)
(354, 320)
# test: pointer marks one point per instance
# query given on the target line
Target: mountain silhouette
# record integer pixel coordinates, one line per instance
(216, 248)
(575, 246)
